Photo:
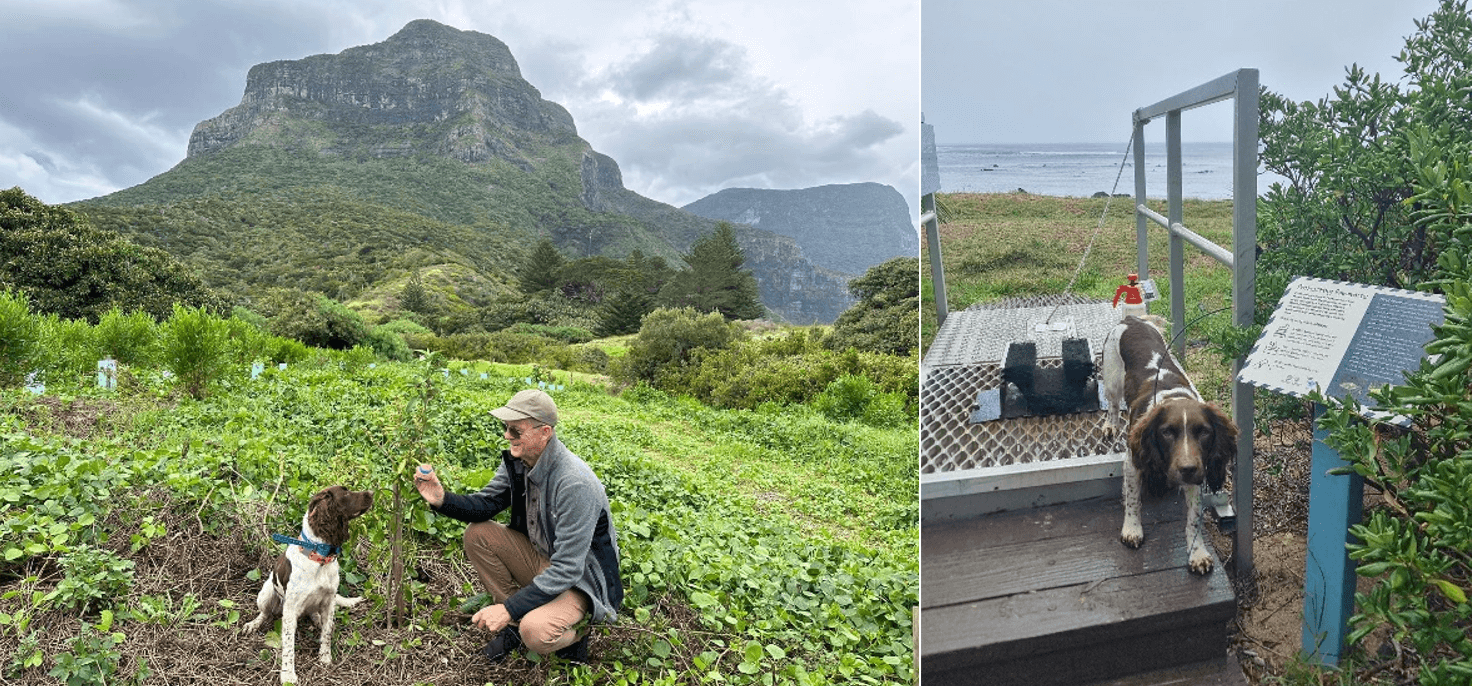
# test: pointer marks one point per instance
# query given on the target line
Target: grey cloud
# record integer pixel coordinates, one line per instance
(681, 160)
(680, 66)
(118, 99)
(717, 124)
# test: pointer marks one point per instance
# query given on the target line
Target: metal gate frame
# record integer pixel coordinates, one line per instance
(1241, 87)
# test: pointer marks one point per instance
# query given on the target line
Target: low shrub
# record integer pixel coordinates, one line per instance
(566, 334)
(667, 341)
(388, 344)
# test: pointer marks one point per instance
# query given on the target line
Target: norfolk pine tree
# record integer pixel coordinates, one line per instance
(715, 281)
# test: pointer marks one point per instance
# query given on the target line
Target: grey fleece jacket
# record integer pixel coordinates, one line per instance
(560, 505)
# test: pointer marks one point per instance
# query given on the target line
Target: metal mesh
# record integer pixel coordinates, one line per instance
(950, 442)
(974, 336)
(966, 358)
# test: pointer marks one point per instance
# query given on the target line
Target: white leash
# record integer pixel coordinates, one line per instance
(1097, 229)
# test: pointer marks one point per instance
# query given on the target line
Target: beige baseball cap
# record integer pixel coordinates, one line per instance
(528, 404)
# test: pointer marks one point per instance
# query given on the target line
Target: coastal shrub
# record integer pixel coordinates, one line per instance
(667, 340)
(288, 350)
(19, 337)
(195, 344)
(388, 344)
(855, 398)
(547, 308)
(87, 270)
(769, 374)
(404, 326)
(315, 320)
(1343, 211)
(1415, 545)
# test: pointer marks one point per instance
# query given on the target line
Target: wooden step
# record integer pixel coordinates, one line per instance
(1225, 671)
(1050, 596)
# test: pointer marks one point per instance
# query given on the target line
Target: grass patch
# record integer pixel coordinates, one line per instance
(999, 245)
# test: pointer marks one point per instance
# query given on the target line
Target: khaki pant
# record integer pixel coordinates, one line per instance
(506, 560)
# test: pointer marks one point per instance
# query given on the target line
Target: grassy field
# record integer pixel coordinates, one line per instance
(1001, 245)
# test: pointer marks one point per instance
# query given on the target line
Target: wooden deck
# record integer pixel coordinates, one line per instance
(1049, 596)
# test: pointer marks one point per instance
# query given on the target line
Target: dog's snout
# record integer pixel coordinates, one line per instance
(1191, 474)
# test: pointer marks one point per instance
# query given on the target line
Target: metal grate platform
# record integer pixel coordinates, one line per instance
(966, 358)
(949, 442)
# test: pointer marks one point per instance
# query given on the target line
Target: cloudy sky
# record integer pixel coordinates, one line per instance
(1062, 71)
(689, 96)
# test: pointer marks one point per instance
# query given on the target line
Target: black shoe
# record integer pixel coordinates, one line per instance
(505, 643)
(577, 652)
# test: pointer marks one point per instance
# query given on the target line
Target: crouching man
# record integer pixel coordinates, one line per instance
(556, 563)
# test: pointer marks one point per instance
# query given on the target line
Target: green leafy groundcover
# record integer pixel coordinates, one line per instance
(791, 538)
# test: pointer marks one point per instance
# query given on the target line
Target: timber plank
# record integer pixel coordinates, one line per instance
(952, 574)
(1043, 523)
(1081, 632)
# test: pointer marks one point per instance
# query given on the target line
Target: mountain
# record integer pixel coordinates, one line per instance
(844, 227)
(437, 123)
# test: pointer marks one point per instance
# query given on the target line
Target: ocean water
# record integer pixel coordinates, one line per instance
(1082, 169)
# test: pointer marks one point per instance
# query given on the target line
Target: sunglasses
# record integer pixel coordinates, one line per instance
(515, 433)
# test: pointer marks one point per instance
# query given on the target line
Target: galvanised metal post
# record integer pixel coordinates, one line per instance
(1244, 300)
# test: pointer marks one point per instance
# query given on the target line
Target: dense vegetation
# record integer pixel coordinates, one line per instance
(73, 270)
(775, 545)
(1399, 157)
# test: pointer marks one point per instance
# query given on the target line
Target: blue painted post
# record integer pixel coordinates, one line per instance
(1334, 503)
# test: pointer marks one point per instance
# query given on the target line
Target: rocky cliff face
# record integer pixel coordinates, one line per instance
(432, 91)
(844, 227)
(428, 89)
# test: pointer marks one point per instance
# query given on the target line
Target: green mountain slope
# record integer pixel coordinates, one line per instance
(429, 146)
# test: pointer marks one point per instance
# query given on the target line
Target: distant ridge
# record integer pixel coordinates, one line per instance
(848, 227)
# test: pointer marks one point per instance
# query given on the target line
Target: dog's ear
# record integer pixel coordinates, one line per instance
(318, 498)
(1149, 452)
(1222, 449)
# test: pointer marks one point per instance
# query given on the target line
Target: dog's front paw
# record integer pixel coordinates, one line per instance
(1132, 536)
(1200, 562)
(288, 677)
(325, 657)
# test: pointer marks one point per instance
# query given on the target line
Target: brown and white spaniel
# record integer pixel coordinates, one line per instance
(1175, 439)
(304, 580)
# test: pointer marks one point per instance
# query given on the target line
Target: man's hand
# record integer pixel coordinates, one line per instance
(492, 618)
(427, 482)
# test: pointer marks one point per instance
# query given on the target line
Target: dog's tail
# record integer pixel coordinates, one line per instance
(340, 601)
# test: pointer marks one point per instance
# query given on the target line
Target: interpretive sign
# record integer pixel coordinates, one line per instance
(1343, 339)
(929, 161)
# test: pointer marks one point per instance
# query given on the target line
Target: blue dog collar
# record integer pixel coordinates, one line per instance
(323, 550)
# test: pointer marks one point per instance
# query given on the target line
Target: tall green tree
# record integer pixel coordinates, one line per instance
(414, 298)
(886, 318)
(67, 267)
(540, 273)
(624, 310)
(715, 281)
